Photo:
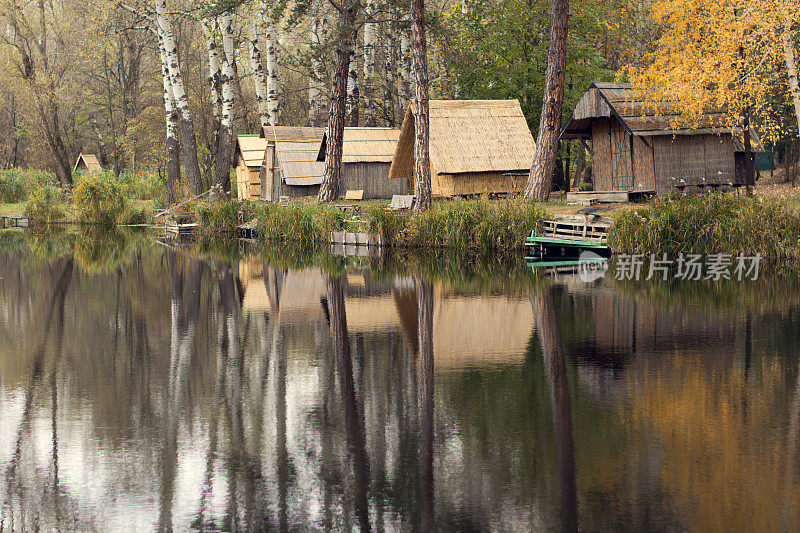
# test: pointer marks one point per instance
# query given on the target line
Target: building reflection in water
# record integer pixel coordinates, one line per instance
(176, 392)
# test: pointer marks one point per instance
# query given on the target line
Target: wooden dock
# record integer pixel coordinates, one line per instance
(568, 236)
(180, 224)
(14, 222)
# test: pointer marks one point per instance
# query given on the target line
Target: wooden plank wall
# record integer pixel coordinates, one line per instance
(643, 165)
(695, 159)
(373, 179)
(601, 156)
(444, 185)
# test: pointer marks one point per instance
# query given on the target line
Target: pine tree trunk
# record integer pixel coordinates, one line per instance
(422, 163)
(259, 81)
(791, 68)
(329, 189)
(273, 105)
(540, 180)
(189, 146)
(352, 90)
(214, 77)
(173, 165)
(222, 172)
(426, 398)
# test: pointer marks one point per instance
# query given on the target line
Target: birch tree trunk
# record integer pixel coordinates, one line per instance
(404, 72)
(259, 81)
(173, 165)
(214, 77)
(273, 104)
(791, 66)
(540, 180)
(422, 163)
(352, 90)
(167, 43)
(319, 35)
(222, 172)
(370, 38)
(329, 189)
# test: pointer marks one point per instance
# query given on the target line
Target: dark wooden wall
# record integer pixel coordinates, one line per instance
(695, 159)
(373, 179)
(601, 156)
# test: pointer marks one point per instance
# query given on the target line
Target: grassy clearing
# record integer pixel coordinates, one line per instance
(712, 223)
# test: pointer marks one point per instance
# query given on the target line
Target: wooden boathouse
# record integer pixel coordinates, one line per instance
(249, 156)
(366, 160)
(289, 166)
(636, 147)
(477, 147)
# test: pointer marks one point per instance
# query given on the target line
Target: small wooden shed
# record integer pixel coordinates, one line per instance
(366, 159)
(289, 165)
(635, 147)
(476, 147)
(249, 156)
(87, 162)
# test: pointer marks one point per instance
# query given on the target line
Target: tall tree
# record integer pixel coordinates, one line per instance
(540, 179)
(172, 146)
(422, 162)
(348, 11)
(189, 145)
(222, 172)
(214, 77)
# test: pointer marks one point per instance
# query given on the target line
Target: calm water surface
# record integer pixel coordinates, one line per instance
(167, 389)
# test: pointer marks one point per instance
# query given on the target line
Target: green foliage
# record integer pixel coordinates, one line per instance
(12, 186)
(132, 185)
(45, 205)
(475, 224)
(298, 224)
(133, 215)
(98, 201)
(711, 223)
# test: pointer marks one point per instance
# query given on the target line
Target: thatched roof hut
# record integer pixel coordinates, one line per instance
(635, 146)
(290, 167)
(249, 155)
(366, 159)
(87, 162)
(476, 147)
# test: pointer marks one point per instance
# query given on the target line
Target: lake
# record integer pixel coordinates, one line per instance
(145, 387)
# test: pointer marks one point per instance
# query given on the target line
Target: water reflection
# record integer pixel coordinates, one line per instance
(164, 389)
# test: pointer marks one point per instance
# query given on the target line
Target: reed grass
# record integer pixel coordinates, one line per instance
(711, 223)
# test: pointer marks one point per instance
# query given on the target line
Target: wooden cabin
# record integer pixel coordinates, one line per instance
(87, 162)
(476, 147)
(636, 148)
(366, 159)
(249, 156)
(289, 165)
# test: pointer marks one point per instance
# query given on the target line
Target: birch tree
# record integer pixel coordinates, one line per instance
(222, 171)
(370, 38)
(173, 165)
(273, 86)
(189, 146)
(422, 162)
(214, 76)
(353, 91)
(540, 179)
(319, 36)
(348, 11)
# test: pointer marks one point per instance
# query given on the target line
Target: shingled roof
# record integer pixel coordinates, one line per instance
(640, 118)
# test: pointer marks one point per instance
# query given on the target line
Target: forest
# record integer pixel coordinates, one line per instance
(134, 82)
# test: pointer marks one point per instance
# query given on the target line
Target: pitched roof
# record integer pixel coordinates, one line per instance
(252, 149)
(297, 149)
(365, 145)
(468, 136)
(640, 118)
(90, 161)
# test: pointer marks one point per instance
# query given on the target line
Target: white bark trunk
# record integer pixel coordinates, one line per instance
(214, 68)
(164, 28)
(370, 31)
(319, 33)
(273, 105)
(404, 70)
(791, 67)
(259, 81)
(227, 79)
(352, 90)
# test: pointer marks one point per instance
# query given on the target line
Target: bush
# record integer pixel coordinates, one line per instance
(98, 201)
(709, 223)
(45, 206)
(12, 186)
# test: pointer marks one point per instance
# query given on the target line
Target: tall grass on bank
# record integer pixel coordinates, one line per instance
(462, 224)
(711, 223)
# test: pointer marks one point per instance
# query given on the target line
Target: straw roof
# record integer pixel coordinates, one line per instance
(90, 162)
(644, 119)
(297, 149)
(252, 149)
(365, 145)
(468, 136)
